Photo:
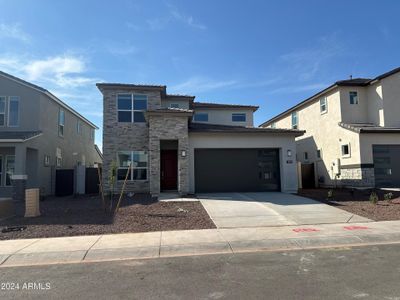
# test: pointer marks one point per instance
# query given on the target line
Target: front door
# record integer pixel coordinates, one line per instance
(169, 169)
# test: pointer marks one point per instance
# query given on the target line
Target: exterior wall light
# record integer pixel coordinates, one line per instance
(289, 153)
(183, 153)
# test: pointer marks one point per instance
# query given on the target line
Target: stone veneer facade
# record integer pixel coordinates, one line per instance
(143, 137)
(357, 177)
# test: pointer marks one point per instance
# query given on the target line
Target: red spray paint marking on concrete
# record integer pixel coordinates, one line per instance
(305, 229)
(355, 227)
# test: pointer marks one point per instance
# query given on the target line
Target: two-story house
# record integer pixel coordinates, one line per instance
(352, 132)
(171, 142)
(38, 134)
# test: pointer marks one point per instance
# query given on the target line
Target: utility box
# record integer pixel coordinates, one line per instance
(6, 207)
(336, 167)
(32, 203)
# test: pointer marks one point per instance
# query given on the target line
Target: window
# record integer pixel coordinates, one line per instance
(239, 117)
(46, 160)
(91, 134)
(174, 105)
(305, 155)
(1, 169)
(61, 122)
(294, 120)
(346, 150)
(58, 158)
(79, 127)
(273, 125)
(353, 97)
(2, 111)
(131, 108)
(319, 153)
(13, 112)
(10, 167)
(200, 117)
(323, 104)
(137, 160)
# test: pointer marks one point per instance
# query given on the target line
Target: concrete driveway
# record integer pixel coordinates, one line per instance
(232, 210)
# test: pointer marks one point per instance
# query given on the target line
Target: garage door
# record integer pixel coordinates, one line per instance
(387, 165)
(236, 170)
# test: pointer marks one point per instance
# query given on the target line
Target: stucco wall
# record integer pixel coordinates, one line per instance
(224, 116)
(375, 104)
(232, 140)
(391, 100)
(354, 113)
(367, 140)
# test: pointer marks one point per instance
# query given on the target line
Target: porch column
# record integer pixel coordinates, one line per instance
(183, 166)
(154, 165)
(19, 178)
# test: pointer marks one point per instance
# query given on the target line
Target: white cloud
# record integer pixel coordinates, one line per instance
(200, 84)
(121, 49)
(13, 31)
(186, 19)
(298, 88)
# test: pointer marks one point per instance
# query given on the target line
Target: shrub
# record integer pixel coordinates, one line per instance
(330, 194)
(374, 198)
(388, 197)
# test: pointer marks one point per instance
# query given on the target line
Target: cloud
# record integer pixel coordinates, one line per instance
(200, 84)
(186, 19)
(13, 31)
(298, 88)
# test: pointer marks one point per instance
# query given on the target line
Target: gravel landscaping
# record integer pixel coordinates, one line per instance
(69, 216)
(357, 202)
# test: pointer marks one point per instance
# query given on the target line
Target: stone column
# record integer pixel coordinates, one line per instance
(154, 165)
(183, 166)
(19, 178)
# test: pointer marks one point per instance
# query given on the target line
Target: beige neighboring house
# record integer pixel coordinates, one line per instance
(352, 133)
(175, 143)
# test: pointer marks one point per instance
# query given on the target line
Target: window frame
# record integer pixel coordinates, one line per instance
(46, 160)
(132, 110)
(197, 114)
(273, 125)
(350, 98)
(1, 169)
(6, 169)
(295, 125)
(61, 124)
(323, 111)
(131, 159)
(349, 150)
(305, 156)
(171, 105)
(5, 111)
(239, 114)
(319, 153)
(8, 110)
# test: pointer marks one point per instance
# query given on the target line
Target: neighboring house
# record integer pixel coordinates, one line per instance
(38, 134)
(352, 132)
(174, 143)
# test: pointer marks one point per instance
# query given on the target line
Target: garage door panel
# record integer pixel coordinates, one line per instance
(240, 170)
(387, 165)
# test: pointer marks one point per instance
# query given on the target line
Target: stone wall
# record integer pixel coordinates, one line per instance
(124, 136)
(168, 127)
(357, 177)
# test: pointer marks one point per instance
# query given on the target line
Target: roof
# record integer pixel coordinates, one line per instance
(98, 151)
(50, 95)
(180, 96)
(101, 85)
(18, 136)
(202, 127)
(348, 82)
(369, 128)
(170, 110)
(223, 106)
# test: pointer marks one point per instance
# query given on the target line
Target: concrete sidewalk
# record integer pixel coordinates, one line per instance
(193, 242)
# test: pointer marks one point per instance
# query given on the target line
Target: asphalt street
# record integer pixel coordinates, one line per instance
(369, 272)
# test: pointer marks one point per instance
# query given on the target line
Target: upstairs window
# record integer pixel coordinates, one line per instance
(319, 153)
(305, 155)
(61, 122)
(238, 117)
(346, 150)
(2, 111)
(131, 108)
(353, 97)
(295, 120)
(79, 127)
(273, 125)
(174, 105)
(323, 105)
(13, 112)
(200, 117)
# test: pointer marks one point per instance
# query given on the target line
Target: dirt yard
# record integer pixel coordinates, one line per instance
(70, 216)
(357, 202)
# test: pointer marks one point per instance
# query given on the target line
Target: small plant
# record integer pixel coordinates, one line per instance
(112, 176)
(388, 197)
(373, 198)
(330, 195)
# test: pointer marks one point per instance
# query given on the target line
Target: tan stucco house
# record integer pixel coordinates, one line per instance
(175, 143)
(39, 134)
(352, 132)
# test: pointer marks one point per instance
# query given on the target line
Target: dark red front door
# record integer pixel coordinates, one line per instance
(169, 169)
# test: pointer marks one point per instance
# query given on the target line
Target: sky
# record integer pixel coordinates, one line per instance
(273, 54)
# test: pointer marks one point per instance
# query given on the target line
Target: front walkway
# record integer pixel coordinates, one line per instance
(232, 210)
(193, 242)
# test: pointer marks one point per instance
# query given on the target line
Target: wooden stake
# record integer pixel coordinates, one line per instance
(101, 187)
(123, 189)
